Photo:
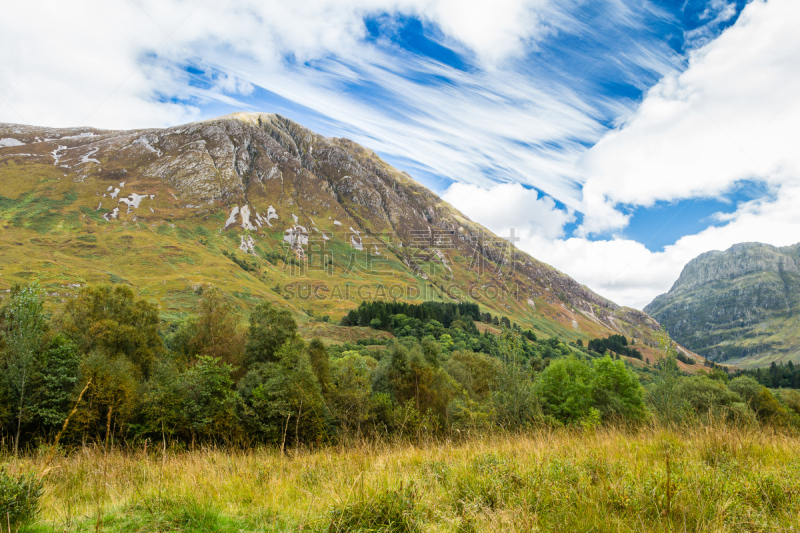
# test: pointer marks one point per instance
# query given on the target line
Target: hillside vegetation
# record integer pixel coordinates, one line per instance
(264, 209)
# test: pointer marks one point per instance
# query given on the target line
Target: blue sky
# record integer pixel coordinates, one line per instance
(620, 138)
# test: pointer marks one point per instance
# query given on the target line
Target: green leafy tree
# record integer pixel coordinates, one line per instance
(111, 320)
(208, 409)
(218, 328)
(320, 363)
(282, 400)
(477, 373)
(663, 395)
(270, 328)
(24, 337)
(351, 391)
(112, 397)
(161, 401)
(56, 383)
(514, 400)
(432, 350)
(415, 382)
(707, 396)
(616, 392)
(434, 328)
(565, 389)
(766, 407)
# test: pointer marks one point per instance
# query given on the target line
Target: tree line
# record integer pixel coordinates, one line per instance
(378, 313)
(105, 364)
(614, 343)
(778, 375)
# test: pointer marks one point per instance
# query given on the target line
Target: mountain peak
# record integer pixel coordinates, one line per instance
(741, 304)
(299, 209)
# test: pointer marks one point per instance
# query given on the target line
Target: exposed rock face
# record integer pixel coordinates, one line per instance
(263, 185)
(742, 304)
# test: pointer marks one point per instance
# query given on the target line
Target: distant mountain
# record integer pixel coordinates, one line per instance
(263, 208)
(740, 306)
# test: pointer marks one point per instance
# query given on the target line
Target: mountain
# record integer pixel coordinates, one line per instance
(265, 209)
(741, 306)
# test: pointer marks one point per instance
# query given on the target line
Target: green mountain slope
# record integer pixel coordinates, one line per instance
(263, 208)
(741, 306)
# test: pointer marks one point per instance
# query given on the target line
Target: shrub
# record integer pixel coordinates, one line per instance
(707, 395)
(760, 400)
(19, 499)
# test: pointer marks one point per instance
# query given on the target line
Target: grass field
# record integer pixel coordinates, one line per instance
(720, 479)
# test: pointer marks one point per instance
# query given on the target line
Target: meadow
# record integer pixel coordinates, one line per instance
(709, 478)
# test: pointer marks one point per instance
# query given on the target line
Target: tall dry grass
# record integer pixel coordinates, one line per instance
(720, 479)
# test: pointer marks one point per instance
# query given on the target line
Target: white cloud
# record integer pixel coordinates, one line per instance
(731, 116)
(498, 29)
(620, 269)
(123, 65)
(510, 206)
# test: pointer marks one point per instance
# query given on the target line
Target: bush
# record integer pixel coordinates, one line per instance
(19, 499)
(760, 400)
(706, 395)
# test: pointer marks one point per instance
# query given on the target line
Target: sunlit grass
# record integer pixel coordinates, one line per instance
(722, 479)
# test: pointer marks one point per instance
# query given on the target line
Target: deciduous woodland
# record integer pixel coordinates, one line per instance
(426, 421)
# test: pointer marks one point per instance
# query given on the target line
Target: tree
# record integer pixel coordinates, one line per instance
(112, 396)
(270, 328)
(477, 373)
(513, 398)
(162, 399)
(318, 357)
(706, 395)
(565, 389)
(112, 321)
(351, 390)
(56, 382)
(208, 399)
(434, 328)
(413, 380)
(760, 399)
(663, 395)
(432, 350)
(616, 391)
(214, 332)
(277, 391)
(24, 337)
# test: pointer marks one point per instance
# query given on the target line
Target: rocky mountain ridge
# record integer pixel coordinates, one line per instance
(741, 305)
(168, 209)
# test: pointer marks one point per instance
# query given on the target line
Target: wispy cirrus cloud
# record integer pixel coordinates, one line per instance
(469, 91)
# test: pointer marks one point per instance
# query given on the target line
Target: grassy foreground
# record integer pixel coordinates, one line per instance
(721, 479)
